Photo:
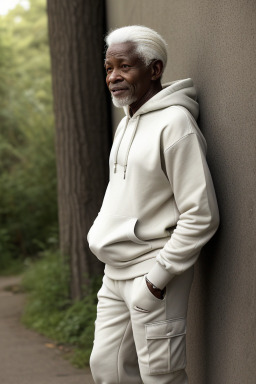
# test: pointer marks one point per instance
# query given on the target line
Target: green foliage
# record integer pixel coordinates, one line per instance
(47, 280)
(50, 312)
(8, 266)
(28, 186)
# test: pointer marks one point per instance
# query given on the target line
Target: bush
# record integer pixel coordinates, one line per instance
(50, 311)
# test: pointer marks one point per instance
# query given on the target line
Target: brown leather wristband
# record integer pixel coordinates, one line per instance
(157, 292)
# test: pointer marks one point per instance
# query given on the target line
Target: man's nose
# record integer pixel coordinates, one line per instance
(115, 76)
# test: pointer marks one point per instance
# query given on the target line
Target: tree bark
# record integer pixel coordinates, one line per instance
(76, 34)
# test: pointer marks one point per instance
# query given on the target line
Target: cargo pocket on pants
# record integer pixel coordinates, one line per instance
(166, 342)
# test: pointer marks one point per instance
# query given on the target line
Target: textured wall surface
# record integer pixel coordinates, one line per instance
(214, 42)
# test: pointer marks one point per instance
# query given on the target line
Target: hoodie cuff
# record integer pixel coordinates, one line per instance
(159, 276)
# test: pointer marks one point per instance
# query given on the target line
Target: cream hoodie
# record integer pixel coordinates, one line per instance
(160, 206)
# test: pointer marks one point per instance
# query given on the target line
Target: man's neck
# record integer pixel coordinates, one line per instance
(133, 108)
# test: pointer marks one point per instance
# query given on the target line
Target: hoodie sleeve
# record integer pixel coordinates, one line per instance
(195, 198)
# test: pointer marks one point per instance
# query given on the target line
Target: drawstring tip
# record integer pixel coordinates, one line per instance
(124, 172)
(115, 168)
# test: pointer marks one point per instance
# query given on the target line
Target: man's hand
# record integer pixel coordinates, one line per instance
(157, 292)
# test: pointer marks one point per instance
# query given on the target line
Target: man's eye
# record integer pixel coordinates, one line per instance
(125, 66)
(108, 69)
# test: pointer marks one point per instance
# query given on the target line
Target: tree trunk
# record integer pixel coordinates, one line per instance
(76, 33)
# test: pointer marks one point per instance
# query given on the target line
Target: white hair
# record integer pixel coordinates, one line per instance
(149, 44)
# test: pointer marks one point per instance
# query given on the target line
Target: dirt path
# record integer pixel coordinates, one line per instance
(24, 356)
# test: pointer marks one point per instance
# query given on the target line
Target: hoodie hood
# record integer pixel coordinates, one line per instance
(179, 92)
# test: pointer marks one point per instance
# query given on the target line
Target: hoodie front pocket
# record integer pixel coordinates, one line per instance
(166, 341)
(113, 239)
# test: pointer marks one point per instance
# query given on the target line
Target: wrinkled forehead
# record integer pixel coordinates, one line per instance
(122, 50)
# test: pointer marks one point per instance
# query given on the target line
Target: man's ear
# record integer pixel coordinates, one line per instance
(156, 69)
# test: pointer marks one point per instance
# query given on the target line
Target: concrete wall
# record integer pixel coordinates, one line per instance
(214, 42)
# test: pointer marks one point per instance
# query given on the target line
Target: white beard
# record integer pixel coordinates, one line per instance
(122, 102)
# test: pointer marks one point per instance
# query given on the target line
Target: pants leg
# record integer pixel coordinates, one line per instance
(132, 345)
(160, 335)
(113, 359)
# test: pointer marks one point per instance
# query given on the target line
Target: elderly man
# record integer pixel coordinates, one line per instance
(158, 211)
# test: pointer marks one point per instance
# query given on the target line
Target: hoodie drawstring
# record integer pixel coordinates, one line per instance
(117, 150)
(129, 146)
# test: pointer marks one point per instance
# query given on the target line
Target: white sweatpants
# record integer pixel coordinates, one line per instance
(133, 346)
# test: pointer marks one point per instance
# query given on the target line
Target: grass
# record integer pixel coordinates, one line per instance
(50, 312)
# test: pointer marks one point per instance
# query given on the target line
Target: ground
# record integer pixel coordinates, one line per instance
(25, 356)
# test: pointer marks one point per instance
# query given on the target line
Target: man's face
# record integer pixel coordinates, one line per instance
(128, 78)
